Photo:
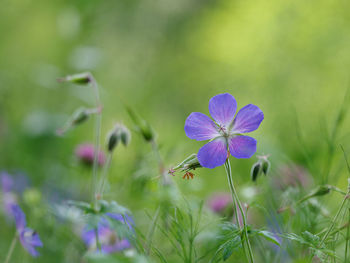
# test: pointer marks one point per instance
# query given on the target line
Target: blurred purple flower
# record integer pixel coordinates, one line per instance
(225, 132)
(108, 237)
(14, 183)
(292, 176)
(9, 198)
(85, 153)
(27, 236)
(6, 182)
(219, 202)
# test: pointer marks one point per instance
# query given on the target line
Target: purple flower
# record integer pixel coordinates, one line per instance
(85, 153)
(225, 132)
(219, 202)
(9, 198)
(27, 236)
(108, 237)
(6, 182)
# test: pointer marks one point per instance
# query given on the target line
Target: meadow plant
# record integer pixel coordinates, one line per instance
(225, 135)
(290, 219)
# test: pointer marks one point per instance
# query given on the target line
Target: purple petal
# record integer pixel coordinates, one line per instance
(29, 240)
(213, 154)
(200, 127)
(242, 146)
(248, 119)
(222, 108)
(6, 182)
(20, 217)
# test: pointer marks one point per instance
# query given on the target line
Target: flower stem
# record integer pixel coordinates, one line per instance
(98, 121)
(104, 176)
(98, 244)
(12, 247)
(347, 238)
(236, 199)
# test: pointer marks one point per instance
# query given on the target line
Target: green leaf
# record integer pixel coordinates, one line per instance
(85, 207)
(229, 247)
(269, 236)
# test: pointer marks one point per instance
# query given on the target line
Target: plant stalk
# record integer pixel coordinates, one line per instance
(235, 198)
(11, 249)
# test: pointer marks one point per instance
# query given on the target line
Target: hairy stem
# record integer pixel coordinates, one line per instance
(235, 198)
(98, 122)
(104, 175)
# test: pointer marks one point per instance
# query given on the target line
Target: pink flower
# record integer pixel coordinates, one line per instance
(219, 202)
(85, 153)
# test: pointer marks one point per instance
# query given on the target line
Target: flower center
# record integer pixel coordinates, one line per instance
(223, 131)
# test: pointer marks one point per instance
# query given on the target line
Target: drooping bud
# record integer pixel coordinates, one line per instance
(319, 191)
(80, 116)
(256, 170)
(119, 133)
(262, 166)
(125, 136)
(81, 78)
(142, 126)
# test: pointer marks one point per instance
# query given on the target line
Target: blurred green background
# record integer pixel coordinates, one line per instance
(165, 59)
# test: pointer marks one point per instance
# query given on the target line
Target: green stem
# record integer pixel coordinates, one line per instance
(335, 218)
(104, 175)
(98, 244)
(235, 197)
(98, 121)
(12, 247)
(347, 238)
(155, 149)
(151, 231)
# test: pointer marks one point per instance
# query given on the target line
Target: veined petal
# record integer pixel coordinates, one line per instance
(242, 146)
(200, 127)
(248, 119)
(20, 217)
(213, 154)
(222, 108)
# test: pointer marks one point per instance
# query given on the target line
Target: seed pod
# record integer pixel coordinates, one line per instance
(119, 133)
(190, 163)
(79, 116)
(142, 126)
(322, 190)
(125, 135)
(255, 171)
(81, 78)
(265, 166)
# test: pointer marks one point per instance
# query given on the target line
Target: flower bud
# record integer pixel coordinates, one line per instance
(266, 166)
(256, 171)
(81, 78)
(190, 163)
(79, 116)
(142, 126)
(322, 190)
(119, 133)
(262, 166)
(319, 191)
